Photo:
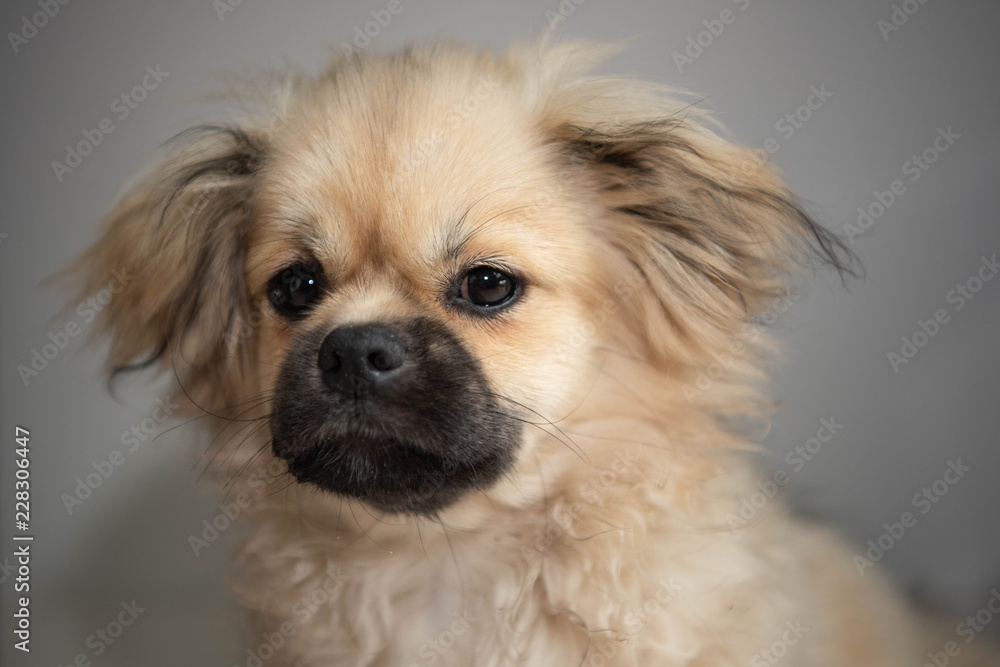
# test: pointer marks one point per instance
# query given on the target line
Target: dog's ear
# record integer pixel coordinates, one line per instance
(171, 259)
(709, 229)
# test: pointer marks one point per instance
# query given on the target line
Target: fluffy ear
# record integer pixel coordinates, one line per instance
(172, 254)
(711, 230)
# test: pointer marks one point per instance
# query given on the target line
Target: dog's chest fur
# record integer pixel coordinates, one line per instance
(569, 582)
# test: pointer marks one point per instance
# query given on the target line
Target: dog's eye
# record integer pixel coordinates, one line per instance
(296, 289)
(487, 286)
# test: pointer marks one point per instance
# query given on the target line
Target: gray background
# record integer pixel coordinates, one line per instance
(129, 540)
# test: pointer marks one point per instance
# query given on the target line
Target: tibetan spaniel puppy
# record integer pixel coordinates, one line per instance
(476, 341)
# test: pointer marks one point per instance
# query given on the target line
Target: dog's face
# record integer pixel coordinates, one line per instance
(433, 251)
(413, 298)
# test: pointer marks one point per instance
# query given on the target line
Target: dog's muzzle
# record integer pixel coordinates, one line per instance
(397, 414)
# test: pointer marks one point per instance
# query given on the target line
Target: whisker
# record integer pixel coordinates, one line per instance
(249, 462)
(176, 426)
(578, 450)
(208, 465)
(254, 424)
(364, 532)
(454, 558)
(239, 473)
(187, 395)
(252, 360)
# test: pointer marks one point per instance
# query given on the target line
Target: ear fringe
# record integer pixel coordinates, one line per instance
(711, 228)
(178, 239)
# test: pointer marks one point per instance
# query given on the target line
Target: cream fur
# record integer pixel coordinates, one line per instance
(651, 247)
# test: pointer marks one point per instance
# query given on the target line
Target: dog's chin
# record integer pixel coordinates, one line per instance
(394, 475)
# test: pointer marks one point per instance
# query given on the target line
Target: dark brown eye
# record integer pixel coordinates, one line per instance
(487, 287)
(295, 290)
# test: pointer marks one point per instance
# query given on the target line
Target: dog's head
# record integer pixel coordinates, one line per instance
(412, 257)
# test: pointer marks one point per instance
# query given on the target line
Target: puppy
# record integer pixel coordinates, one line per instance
(477, 339)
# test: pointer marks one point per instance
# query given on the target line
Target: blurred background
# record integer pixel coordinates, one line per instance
(847, 98)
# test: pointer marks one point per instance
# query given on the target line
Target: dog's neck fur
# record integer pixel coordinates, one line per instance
(611, 541)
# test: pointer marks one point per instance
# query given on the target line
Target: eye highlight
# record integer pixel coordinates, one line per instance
(294, 291)
(488, 287)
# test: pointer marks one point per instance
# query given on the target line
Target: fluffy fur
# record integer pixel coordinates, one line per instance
(648, 247)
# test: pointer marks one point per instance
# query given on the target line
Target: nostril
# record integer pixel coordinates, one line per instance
(380, 361)
(329, 360)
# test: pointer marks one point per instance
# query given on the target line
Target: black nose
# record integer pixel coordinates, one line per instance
(357, 360)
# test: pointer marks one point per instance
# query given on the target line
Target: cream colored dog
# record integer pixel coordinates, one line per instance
(478, 335)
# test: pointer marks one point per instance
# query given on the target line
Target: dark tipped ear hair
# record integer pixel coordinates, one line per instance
(177, 242)
(712, 231)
